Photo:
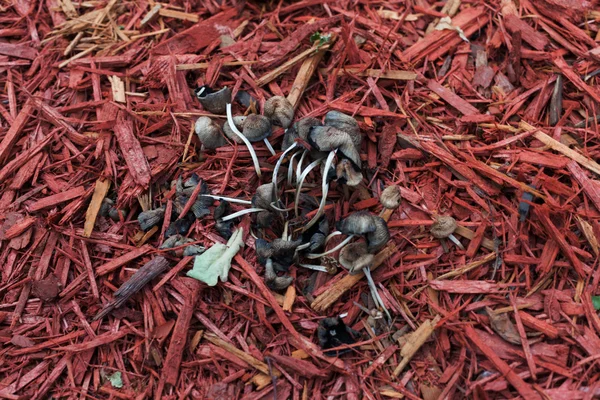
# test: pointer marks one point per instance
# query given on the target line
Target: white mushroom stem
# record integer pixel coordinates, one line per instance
(229, 199)
(300, 182)
(244, 139)
(299, 166)
(332, 235)
(268, 144)
(456, 241)
(275, 207)
(242, 212)
(291, 169)
(324, 190)
(314, 267)
(375, 293)
(336, 248)
(302, 247)
(276, 170)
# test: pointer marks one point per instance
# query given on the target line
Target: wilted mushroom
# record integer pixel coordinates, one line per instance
(347, 174)
(443, 227)
(354, 257)
(273, 281)
(209, 133)
(281, 252)
(261, 201)
(280, 111)
(223, 228)
(390, 197)
(373, 227)
(215, 102)
(150, 218)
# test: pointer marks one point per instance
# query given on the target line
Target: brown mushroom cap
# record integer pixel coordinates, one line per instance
(209, 133)
(355, 257)
(347, 174)
(390, 197)
(263, 197)
(443, 226)
(280, 111)
(256, 127)
(238, 120)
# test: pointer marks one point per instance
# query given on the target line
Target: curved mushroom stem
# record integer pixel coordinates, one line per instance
(242, 212)
(456, 241)
(299, 166)
(375, 293)
(275, 207)
(320, 268)
(291, 169)
(229, 199)
(300, 182)
(302, 247)
(268, 144)
(244, 139)
(336, 248)
(332, 235)
(276, 170)
(324, 190)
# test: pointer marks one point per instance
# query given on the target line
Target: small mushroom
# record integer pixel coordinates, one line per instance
(347, 174)
(281, 252)
(214, 102)
(357, 223)
(180, 226)
(345, 123)
(280, 111)
(239, 124)
(443, 227)
(390, 197)
(274, 282)
(328, 138)
(151, 218)
(223, 228)
(263, 198)
(354, 257)
(377, 239)
(209, 133)
(256, 127)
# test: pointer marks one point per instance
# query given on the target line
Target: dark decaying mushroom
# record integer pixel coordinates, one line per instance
(273, 281)
(300, 129)
(316, 235)
(282, 252)
(328, 138)
(151, 218)
(213, 101)
(346, 174)
(223, 228)
(333, 332)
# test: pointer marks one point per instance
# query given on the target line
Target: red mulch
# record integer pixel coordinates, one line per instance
(500, 132)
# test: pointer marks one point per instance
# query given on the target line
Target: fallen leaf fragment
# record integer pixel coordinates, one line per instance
(215, 262)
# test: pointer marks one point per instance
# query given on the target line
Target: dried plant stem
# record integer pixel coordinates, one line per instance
(324, 190)
(242, 212)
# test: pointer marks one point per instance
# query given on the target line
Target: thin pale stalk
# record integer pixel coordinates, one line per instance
(268, 144)
(299, 166)
(375, 293)
(324, 190)
(314, 267)
(336, 248)
(229, 199)
(456, 241)
(244, 139)
(291, 169)
(242, 212)
(332, 235)
(276, 170)
(299, 183)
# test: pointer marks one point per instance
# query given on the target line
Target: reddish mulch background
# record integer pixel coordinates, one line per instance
(500, 132)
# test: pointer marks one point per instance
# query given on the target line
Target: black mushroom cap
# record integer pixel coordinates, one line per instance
(328, 138)
(281, 252)
(345, 123)
(223, 228)
(213, 101)
(151, 218)
(280, 111)
(316, 235)
(209, 133)
(377, 239)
